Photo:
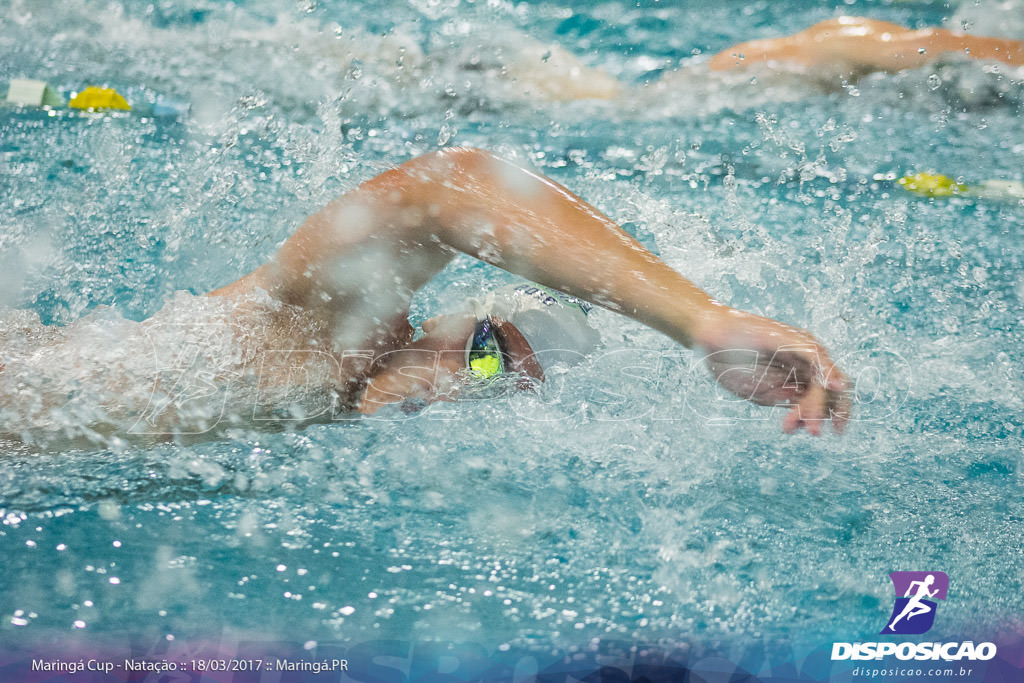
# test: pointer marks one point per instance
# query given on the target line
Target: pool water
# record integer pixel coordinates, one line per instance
(627, 501)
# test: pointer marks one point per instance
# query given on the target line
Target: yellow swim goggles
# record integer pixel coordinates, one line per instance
(485, 354)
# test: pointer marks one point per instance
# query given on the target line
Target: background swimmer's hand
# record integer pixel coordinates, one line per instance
(772, 364)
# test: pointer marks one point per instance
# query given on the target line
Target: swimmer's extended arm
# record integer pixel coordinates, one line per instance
(856, 45)
(470, 201)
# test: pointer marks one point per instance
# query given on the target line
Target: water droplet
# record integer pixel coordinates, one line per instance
(109, 510)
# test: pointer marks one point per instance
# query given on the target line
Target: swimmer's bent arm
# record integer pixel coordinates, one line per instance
(470, 201)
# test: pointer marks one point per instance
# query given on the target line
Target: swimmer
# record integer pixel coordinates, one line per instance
(354, 266)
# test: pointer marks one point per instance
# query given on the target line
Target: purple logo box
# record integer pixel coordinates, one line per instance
(914, 608)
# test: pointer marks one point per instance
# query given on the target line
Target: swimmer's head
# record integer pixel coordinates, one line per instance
(541, 327)
(519, 333)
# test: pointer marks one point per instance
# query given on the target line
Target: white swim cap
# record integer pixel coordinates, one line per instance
(554, 324)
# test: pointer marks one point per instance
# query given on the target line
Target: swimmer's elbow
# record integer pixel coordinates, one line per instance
(453, 164)
(446, 181)
(464, 155)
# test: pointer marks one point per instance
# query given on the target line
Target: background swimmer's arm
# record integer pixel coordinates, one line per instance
(859, 45)
(470, 201)
(845, 46)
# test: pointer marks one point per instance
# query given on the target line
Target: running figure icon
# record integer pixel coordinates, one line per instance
(915, 607)
(917, 594)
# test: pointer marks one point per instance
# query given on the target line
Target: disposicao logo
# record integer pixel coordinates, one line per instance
(916, 595)
(913, 613)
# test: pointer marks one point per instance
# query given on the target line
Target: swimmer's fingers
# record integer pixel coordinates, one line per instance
(840, 398)
(809, 412)
(836, 387)
(826, 397)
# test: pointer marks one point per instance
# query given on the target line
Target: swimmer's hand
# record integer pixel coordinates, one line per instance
(411, 377)
(427, 370)
(772, 364)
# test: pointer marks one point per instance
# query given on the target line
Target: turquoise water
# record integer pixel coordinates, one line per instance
(628, 500)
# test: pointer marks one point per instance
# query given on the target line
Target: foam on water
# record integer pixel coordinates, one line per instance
(628, 499)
